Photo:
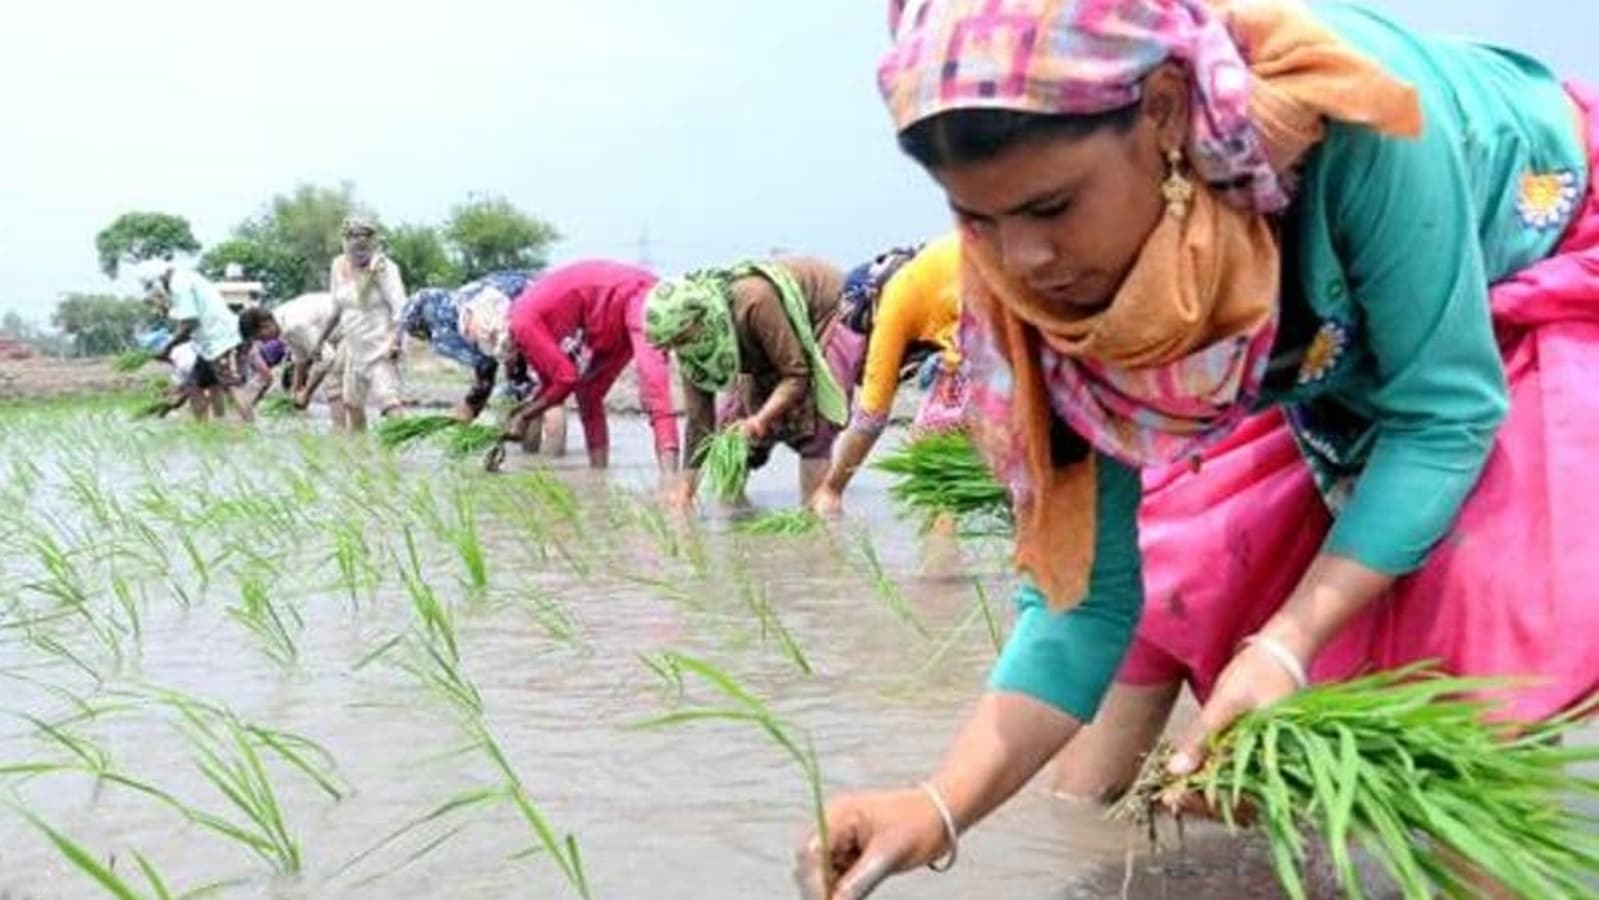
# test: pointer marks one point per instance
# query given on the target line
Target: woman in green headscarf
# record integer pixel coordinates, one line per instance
(775, 324)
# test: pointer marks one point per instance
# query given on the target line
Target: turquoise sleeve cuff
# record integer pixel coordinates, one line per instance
(1408, 497)
(1069, 659)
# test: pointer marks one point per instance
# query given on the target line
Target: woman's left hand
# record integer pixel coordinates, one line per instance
(754, 428)
(1253, 680)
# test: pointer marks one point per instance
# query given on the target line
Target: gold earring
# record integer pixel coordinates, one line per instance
(1177, 188)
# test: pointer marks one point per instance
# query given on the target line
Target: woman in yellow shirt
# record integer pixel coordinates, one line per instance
(909, 311)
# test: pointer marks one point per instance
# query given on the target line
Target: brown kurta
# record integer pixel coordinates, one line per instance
(770, 353)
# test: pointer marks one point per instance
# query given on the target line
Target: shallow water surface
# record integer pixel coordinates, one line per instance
(552, 645)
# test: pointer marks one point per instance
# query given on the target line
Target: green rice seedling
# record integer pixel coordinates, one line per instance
(792, 522)
(433, 616)
(352, 555)
(551, 614)
(725, 464)
(83, 754)
(771, 625)
(1403, 764)
(563, 849)
(742, 706)
(122, 592)
(555, 496)
(277, 406)
(274, 624)
(463, 440)
(466, 800)
(130, 361)
(398, 432)
(665, 667)
(464, 537)
(435, 669)
(886, 589)
(943, 474)
(25, 475)
(85, 489)
(227, 757)
(48, 644)
(103, 874)
(689, 595)
(64, 584)
(652, 519)
(197, 559)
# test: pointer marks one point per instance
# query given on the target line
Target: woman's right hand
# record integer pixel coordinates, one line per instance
(827, 502)
(870, 836)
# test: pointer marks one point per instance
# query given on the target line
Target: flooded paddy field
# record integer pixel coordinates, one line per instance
(278, 663)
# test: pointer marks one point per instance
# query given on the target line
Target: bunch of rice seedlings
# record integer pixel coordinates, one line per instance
(396, 432)
(780, 522)
(725, 464)
(277, 406)
(469, 440)
(1403, 764)
(943, 474)
(132, 360)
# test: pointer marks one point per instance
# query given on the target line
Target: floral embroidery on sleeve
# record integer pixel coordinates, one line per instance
(1547, 200)
(1325, 352)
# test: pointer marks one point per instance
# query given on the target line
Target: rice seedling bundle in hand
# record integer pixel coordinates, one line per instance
(725, 464)
(1403, 764)
(277, 406)
(132, 360)
(781, 522)
(943, 474)
(401, 431)
(149, 408)
(469, 440)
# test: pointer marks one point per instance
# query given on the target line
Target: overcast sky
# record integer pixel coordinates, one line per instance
(716, 127)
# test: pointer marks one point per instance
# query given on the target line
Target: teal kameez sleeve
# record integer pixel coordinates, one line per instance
(1067, 660)
(1403, 222)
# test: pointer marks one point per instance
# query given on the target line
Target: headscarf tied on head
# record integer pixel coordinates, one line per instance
(1177, 358)
(863, 286)
(697, 302)
(710, 358)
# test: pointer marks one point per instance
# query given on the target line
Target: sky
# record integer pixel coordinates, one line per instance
(683, 132)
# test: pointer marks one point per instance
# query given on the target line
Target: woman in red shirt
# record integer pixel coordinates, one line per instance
(576, 328)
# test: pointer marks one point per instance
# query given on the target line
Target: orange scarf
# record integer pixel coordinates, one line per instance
(1209, 278)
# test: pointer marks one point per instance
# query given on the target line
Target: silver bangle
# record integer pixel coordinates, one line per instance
(953, 833)
(1285, 657)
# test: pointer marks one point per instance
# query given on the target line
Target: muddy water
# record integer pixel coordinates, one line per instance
(706, 811)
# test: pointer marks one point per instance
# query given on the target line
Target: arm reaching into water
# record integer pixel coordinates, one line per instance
(1005, 742)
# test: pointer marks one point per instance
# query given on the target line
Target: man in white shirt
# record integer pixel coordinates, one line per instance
(202, 318)
(299, 323)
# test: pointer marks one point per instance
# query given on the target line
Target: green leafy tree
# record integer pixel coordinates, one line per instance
(136, 236)
(306, 224)
(490, 234)
(291, 243)
(100, 324)
(423, 258)
(283, 274)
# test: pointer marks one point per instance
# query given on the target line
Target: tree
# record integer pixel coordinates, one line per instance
(307, 225)
(490, 234)
(283, 274)
(423, 259)
(136, 236)
(100, 324)
(290, 244)
(13, 326)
